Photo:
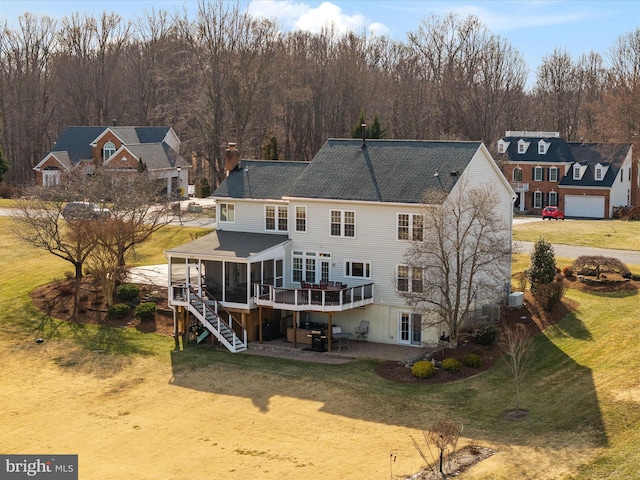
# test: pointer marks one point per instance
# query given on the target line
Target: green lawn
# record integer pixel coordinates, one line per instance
(583, 392)
(616, 234)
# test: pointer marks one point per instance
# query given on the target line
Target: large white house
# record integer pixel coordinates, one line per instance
(299, 245)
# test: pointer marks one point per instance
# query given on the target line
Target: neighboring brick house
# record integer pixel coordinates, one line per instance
(347, 219)
(117, 148)
(586, 180)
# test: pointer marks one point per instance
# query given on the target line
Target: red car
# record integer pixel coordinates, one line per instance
(552, 212)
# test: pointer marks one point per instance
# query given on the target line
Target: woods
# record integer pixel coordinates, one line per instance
(226, 76)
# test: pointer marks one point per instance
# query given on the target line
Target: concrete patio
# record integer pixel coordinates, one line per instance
(282, 349)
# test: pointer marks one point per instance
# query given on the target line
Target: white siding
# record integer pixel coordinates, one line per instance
(620, 190)
(249, 216)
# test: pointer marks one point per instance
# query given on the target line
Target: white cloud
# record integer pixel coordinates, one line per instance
(301, 16)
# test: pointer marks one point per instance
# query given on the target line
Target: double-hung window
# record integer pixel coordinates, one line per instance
(537, 199)
(343, 223)
(409, 279)
(301, 218)
(275, 218)
(553, 199)
(553, 174)
(517, 174)
(410, 226)
(227, 212)
(538, 174)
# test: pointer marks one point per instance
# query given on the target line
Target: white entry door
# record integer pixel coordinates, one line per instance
(410, 328)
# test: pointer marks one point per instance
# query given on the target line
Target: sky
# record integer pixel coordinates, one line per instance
(535, 28)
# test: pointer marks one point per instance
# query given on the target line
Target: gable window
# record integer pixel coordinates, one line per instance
(517, 174)
(108, 150)
(410, 226)
(357, 269)
(522, 146)
(576, 171)
(538, 175)
(537, 199)
(598, 173)
(343, 223)
(301, 218)
(51, 178)
(553, 174)
(553, 199)
(275, 218)
(409, 279)
(227, 212)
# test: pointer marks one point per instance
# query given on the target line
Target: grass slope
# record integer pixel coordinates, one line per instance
(583, 397)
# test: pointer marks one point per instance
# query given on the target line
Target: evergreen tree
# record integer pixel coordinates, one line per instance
(270, 150)
(356, 131)
(542, 269)
(374, 130)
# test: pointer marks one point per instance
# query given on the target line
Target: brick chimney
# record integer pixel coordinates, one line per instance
(231, 158)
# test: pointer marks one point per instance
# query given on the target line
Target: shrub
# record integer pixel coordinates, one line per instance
(488, 336)
(542, 268)
(549, 294)
(128, 292)
(472, 360)
(567, 271)
(69, 275)
(118, 310)
(451, 365)
(145, 311)
(594, 266)
(423, 369)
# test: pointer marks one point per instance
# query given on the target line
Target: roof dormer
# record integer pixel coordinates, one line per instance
(543, 147)
(503, 146)
(578, 171)
(599, 172)
(523, 146)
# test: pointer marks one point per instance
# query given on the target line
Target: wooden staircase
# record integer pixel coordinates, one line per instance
(210, 314)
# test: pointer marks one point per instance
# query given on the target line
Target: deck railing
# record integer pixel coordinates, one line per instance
(321, 299)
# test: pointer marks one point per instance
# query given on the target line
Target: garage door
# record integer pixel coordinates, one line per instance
(587, 206)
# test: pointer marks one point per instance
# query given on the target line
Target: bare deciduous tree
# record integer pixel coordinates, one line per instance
(443, 435)
(517, 344)
(463, 259)
(40, 223)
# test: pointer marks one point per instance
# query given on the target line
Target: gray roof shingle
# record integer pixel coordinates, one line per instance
(240, 245)
(261, 179)
(144, 142)
(385, 171)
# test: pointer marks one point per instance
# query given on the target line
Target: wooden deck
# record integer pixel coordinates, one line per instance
(309, 299)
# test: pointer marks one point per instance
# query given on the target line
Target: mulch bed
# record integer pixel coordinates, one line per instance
(55, 299)
(532, 317)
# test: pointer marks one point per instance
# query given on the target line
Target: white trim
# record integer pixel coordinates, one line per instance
(366, 268)
(277, 210)
(343, 223)
(295, 218)
(219, 216)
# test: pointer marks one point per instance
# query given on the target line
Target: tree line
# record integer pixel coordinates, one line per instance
(226, 76)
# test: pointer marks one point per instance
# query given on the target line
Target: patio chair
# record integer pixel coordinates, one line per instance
(362, 330)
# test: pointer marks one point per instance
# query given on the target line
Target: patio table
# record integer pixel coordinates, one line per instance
(343, 339)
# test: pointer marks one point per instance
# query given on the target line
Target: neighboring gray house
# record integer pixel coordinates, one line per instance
(116, 148)
(322, 242)
(584, 179)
